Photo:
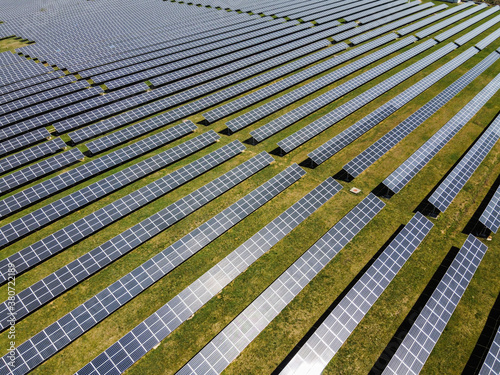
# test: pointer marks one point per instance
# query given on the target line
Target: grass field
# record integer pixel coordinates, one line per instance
(366, 344)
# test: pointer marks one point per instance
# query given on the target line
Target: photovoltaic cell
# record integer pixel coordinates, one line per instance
(31, 154)
(309, 131)
(264, 110)
(366, 158)
(89, 169)
(462, 172)
(90, 224)
(292, 116)
(464, 25)
(346, 137)
(491, 364)
(406, 171)
(431, 322)
(328, 338)
(161, 264)
(40, 347)
(35, 171)
(139, 341)
(491, 215)
(235, 337)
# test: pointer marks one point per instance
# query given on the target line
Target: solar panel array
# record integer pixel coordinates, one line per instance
(491, 365)
(491, 215)
(406, 171)
(447, 190)
(477, 31)
(367, 157)
(334, 331)
(449, 21)
(309, 131)
(268, 108)
(464, 25)
(136, 343)
(337, 143)
(31, 154)
(40, 169)
(107, 73)
(417, 345)
(296, 114)
(32, 194)
(62, 239)
(235, 337)
(173, 255)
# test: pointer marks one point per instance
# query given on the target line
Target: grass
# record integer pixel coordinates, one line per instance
(10, 44)
(368, 341)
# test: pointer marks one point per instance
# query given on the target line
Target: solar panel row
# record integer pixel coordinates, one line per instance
(491, 215)
(366, 158)
(246, 119)
(266, 109)
(31, 154)
(139, 341)
(333, 332)
(448, 189)
(46, 343)
(236, 336)
(169, 258)
(88, 194)
(417, 345)
(406, 171)
(491, 364)
(23, 141)
(346, 137)
(309, 131)
(478, 30)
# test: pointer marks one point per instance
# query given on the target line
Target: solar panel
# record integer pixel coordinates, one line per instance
(34, 351)
(478, 30)
(135, 344)
(491, 364)
(374, 29)
(40, 169)
(346, 137)
(64, 278)
(90, 224)
(429, 20)
(30, 82)
(448, 189)
(235, 105)
(309, 131)
(31, 154)
(197, 91)
(36, 89)
(488, 40)
(235, 337)
(491, 215)
(266, 109)
(46, 95)
(366, 158)
(406, 171)
(23, 141)
(333, 332)
(449, 21)
(431, 322)
(464, 25)
(91, 168)
(169, 258)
